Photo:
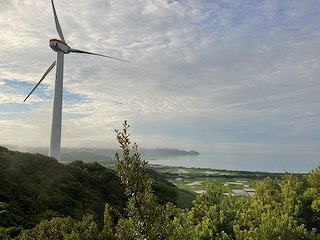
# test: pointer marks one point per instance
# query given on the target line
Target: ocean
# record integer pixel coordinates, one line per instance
(276, 163)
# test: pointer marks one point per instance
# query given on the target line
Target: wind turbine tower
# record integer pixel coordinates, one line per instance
(61, 48)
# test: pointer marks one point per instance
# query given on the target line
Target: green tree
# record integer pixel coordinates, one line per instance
(313, 190)
(310, 211)
(212, 215)
(146, 219)
(272, 212)
(111, 217)
(64, 229)
(8, 226)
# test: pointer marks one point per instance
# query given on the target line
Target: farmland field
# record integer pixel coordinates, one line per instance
(231, 182)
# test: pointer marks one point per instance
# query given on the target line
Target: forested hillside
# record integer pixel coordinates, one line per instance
(34, 187)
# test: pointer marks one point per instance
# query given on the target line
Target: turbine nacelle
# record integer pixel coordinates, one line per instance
(59, 46)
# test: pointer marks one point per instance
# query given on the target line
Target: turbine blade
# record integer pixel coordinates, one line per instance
(58, 27)
(44, 75)
(96, 54)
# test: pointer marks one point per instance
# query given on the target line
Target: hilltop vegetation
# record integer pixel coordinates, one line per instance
(34, 188)
(73, 203)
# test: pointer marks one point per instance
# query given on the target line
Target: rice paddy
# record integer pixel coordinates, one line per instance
(196, 179)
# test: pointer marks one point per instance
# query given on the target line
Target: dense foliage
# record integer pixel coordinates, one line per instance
(34, 188)
(283, 208)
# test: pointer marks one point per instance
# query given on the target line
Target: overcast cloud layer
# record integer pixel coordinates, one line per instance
(233, 76)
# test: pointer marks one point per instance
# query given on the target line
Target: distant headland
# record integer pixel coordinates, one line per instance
(169, 152)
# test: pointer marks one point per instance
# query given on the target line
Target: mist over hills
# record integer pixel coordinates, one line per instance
(104, 156)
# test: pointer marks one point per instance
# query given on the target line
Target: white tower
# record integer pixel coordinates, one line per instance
(61, 47)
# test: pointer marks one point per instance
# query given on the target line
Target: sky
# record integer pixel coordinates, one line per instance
(206, 75)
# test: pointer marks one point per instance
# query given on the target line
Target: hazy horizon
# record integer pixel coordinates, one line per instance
(293, 162)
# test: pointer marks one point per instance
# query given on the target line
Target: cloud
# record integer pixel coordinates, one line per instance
(202, 73)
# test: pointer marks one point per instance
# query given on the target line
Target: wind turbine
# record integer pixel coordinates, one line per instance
(62, 48)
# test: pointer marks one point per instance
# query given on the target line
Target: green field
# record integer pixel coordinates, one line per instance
(196, 179)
